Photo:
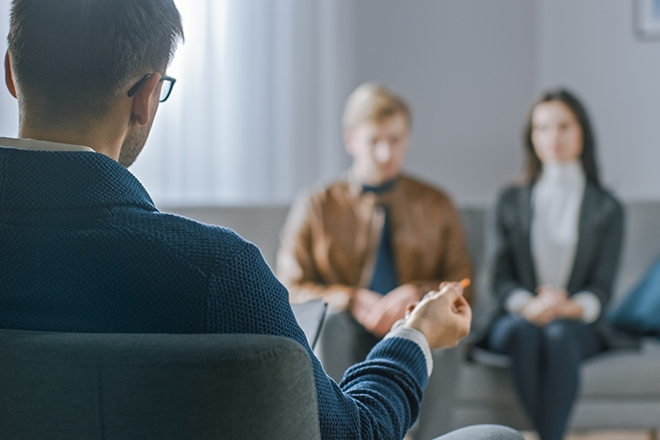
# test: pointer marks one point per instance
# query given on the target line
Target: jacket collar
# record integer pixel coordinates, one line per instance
(586, 237)
(382, 188)
(525, 218)
(356, 189)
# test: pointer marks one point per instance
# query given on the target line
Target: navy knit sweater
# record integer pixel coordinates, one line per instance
(83, 249)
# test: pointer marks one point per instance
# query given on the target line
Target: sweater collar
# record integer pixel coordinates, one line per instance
(65, 179)
(38, 145)
(562, 175)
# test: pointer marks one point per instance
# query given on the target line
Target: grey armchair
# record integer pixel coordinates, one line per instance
(153, 386)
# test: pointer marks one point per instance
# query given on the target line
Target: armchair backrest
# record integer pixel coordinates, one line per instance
(154, 386)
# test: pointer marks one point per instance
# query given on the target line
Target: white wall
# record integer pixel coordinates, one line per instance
(590, 46)
(467, 69)
(471, 68)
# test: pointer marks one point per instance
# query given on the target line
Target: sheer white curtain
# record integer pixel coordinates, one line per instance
(255, 113)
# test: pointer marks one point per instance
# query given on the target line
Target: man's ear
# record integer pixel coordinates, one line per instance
(9, 76)
(144, 99)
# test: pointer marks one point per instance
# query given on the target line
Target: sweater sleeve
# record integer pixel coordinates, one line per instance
(378, 398)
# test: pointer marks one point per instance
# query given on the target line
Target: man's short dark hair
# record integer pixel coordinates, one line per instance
(72, 57)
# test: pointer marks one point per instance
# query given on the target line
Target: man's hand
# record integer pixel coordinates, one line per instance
(363, 301)
(389, 309)
(443, 317)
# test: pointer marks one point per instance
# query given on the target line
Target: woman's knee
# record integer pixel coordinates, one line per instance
(570, 337)
(524, 333)
(562, 339)
(563, 331)
(512, 332)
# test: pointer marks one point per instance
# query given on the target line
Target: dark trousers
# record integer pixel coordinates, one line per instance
(545, 366)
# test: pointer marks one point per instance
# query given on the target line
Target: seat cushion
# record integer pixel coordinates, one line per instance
(623, 373)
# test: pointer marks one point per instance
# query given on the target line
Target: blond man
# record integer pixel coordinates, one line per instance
(373, 242)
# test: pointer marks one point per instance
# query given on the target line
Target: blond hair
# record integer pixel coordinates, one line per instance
(372, 102)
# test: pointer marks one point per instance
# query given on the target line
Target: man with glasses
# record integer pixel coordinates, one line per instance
(83, 248)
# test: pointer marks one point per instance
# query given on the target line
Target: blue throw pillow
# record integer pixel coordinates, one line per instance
(639, 312)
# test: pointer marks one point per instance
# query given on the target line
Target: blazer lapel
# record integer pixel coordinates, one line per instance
(585, 238)
(525, 244)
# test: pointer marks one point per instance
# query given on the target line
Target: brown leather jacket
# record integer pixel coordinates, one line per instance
(329, 241)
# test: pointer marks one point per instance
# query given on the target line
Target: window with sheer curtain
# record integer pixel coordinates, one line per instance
(255, 113)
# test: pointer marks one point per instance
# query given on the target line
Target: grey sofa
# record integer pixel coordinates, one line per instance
(141, 386)
(621, 388)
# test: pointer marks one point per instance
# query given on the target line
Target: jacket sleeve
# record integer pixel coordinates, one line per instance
(295, 264)
(607, 253)
(455, 263)
(506, 278)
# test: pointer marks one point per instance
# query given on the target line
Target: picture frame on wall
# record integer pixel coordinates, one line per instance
(647, 19)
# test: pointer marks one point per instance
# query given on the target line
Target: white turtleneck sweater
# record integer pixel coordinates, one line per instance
(556, 201)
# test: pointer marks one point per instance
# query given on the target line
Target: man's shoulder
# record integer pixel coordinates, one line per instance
(201, 244)
(420, 190)
(339, 189)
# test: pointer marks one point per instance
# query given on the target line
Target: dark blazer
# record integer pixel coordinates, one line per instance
(597, 255)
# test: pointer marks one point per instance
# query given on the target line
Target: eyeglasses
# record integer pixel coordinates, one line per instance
(165, 91)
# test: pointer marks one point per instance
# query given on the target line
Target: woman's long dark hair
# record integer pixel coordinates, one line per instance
(588, 156)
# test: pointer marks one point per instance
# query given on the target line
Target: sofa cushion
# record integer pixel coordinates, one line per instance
(621, 373)
(612, 374)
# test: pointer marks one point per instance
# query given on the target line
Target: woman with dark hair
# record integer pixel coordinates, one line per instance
(559, 237)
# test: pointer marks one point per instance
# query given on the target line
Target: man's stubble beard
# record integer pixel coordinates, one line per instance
(133, 144)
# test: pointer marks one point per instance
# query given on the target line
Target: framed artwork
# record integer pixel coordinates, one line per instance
(647, 19)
